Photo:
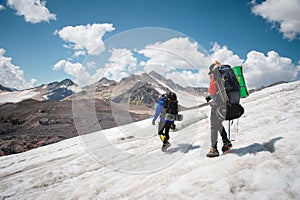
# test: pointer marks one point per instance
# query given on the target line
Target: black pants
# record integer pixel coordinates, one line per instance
(163, 129)
(215, 127)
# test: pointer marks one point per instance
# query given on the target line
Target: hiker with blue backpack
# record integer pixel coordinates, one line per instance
(167, 111)
(224, 91)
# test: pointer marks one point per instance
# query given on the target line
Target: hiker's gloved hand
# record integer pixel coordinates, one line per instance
(208, 98)
(153, 122)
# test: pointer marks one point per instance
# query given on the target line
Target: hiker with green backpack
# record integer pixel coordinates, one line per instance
(224, 90)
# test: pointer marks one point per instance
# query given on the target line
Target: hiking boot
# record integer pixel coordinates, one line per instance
(212, 153)
(173, 126)
(165, 146)
(226, 146)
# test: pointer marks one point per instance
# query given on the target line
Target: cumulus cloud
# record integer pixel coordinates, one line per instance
(34, 11)
(77, 70)
(120, 64)
(188, 78)
(198, 78)
(259, 69)
(284, 13)
(178, 59)
(79, 53)
(262, 70)
(12, 76)
(224, 55)
(179, 53)
(87, 38)
(181, 60)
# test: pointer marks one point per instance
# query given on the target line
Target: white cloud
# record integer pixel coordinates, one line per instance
(77, 70)
(179, 53)
(159, 68)
(121, 64)
(87, 37)
(2, 7)
(91, 65)
(188, 78)
(12, 76)
(282, 12)
(224, 55)
(79, 53)
(123, 57)
(259, 69)
(180, 60)
(34, 11)
(262, 70)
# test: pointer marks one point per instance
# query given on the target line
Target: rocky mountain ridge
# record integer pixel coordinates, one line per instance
(56, 90)
(143, 89)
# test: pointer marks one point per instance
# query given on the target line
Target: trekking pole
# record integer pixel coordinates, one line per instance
(237, 126)
(229, 130)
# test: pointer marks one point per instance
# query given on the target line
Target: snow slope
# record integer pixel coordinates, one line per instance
(17, 96)
(126, 162)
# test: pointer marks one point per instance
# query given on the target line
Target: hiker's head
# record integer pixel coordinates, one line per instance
(163, 96)
(213, 66)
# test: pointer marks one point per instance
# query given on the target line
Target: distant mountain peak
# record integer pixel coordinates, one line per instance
(168, 82)
(106, 82)
(154, 73)
(104, 79)
(6, 89)
(67, 82)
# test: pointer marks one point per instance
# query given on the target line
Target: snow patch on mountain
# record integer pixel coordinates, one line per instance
(17, 96)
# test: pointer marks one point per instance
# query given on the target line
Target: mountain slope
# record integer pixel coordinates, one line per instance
(127, 91)
(30, 123)
(56, 90)
(126, 163)
(52, 91)
(143, 89)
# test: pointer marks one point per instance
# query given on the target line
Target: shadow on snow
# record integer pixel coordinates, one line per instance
(256, 148)
(183, 148)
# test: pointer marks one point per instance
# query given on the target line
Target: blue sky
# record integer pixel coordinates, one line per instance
(36, 47)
